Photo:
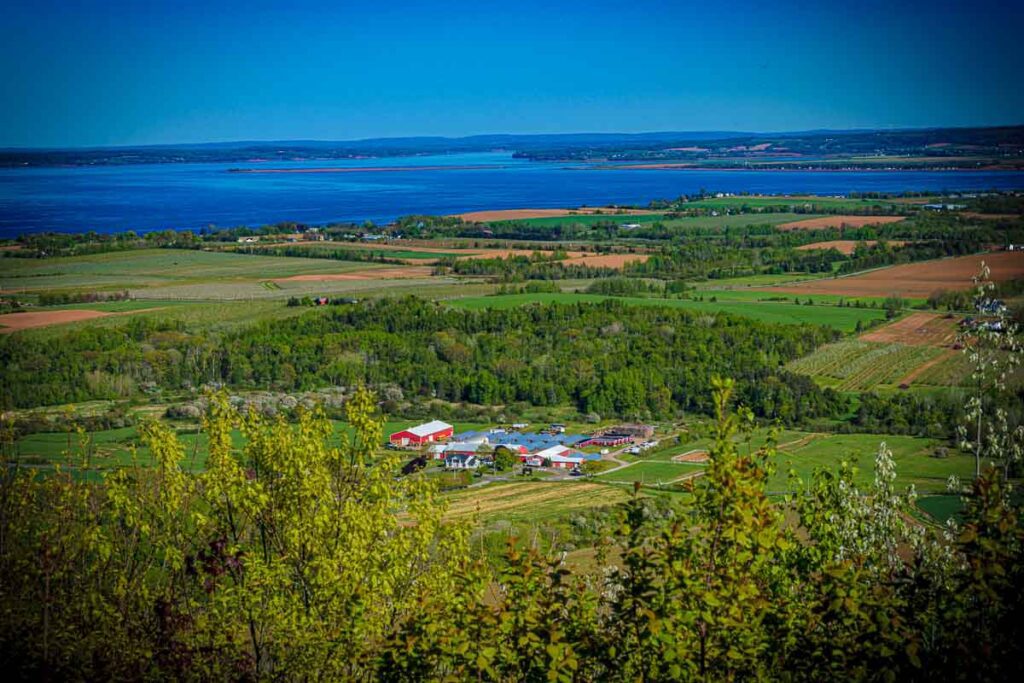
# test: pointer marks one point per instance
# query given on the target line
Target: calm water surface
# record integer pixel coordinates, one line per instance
(191, 196)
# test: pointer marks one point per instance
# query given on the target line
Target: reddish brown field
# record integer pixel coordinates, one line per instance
(916, 280)
(604, 260)
(917, 329)
(519, 214)
(839, 222)
(368, 274)
(844, 246)
(12, 322)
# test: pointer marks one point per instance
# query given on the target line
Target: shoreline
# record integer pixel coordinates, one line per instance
(367, 169)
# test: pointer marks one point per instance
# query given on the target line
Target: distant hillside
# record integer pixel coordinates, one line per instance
(960, 147)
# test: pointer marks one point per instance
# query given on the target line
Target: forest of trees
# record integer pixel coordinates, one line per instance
(604, 358)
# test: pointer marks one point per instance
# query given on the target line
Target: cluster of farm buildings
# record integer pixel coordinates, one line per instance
(552, 447)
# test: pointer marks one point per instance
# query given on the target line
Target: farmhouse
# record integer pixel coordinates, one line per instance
(429, 432)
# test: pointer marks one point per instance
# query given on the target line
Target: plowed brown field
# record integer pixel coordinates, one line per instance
(12, 322)
(917, 329)
(916, 280)
(839, 222)
(605, 260)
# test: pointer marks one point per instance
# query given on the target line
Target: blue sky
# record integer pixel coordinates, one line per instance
(109, 72)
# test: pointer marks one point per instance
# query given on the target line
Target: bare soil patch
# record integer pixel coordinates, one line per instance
(691, 456)
(844, 246)
(519, 214)
(12, 322)
(917, 280)
(604, 260)
(917, 329)
(839, 222)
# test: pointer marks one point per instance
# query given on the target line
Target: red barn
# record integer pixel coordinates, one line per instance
(419, 435)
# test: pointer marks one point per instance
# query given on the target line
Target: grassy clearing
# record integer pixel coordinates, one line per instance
(732, 293)
(843, 319)
(915, 463)
(650, 473)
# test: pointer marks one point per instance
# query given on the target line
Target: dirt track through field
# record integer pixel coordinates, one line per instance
(838, 222)
(917, 280)
(917, 329)
(801, 442)
(691, 456)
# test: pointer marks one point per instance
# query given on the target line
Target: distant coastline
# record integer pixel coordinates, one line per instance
(367, 169)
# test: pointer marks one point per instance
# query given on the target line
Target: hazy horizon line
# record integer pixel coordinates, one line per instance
(383, 138)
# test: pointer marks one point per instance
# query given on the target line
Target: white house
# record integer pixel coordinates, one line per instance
(461, 461)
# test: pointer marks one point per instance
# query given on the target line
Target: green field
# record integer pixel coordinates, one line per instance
(651, 473)
(682, 223)
(145, 268)
(843, 319)
(531, 501)
(915, 463)
(735, 289)
(764, 280)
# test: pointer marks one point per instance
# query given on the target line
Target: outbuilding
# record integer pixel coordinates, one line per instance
(429, 432)
(560, 457)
